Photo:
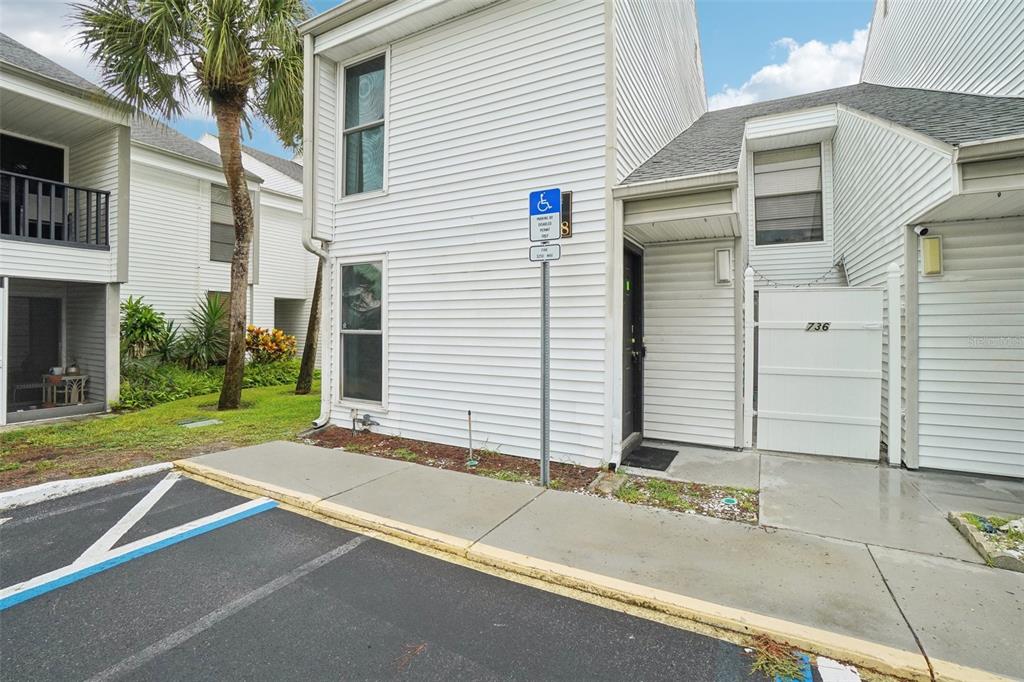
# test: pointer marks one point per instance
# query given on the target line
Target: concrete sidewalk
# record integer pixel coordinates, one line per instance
(854, 600)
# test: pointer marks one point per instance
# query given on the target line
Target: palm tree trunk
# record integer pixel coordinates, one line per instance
(305, 381)
(229, 120)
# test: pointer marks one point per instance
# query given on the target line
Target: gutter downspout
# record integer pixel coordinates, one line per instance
(309, 217)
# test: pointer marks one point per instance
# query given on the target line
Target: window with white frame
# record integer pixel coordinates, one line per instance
(222, 225)
(787, 196)
(364, 126)
(362, 337)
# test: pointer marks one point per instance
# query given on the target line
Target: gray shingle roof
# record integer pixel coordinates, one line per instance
(145, 129)
(712, 143)
(278, 163)
(13, 52)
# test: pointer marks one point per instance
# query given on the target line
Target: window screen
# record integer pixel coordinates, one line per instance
(364, 126)
(787, 195)
(362, 338)
(222, 225)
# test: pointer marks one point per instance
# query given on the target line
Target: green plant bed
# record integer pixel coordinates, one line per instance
(145, 383)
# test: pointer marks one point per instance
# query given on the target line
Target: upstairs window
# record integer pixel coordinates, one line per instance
(222, 225)
(787, 196)
(364, 126)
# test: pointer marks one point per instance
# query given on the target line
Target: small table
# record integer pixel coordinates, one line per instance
(71, 386)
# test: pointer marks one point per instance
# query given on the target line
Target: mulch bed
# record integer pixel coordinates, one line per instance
(490, 463)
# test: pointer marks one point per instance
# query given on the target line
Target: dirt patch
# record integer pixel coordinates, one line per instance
(722, 502)
(33, 465)
(489, 463)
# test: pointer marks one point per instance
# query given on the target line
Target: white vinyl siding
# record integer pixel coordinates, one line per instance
(470, 135)
(658, 77)
(883, 178)
(94, 164)
(970, 46)
(171, 214)
(971, 340)
(325, 150)
(85, 332)
(797, 263)
(690, 334)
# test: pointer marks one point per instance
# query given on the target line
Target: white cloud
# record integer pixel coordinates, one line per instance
(808, 67)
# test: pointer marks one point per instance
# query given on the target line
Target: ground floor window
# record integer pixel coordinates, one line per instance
(362, 336)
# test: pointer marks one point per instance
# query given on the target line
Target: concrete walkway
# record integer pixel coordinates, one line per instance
(852, 598)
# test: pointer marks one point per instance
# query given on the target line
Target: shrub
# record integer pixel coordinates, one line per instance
(168, 347)
(268, 345)
(206, 341)
(142, 328)
(147, 382)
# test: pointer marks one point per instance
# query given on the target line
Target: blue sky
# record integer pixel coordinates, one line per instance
(752, 49)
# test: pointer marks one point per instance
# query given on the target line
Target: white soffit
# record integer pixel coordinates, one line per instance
(706, 227)
(697, 215)
(963, 207)
(792, 129)
(390, 23)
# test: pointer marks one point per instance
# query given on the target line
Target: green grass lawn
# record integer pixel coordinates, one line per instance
(108, 443)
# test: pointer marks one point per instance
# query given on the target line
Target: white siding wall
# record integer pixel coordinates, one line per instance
(171, 215)
(792, 264)
(326, 150)
(972, 46)
(971, 340)
(690, 334)
(470, 134)
(883, 178)
(94, 164)
(658, 77)
(86, 329)
(170, 226)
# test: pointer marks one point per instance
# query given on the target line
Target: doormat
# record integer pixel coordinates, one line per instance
(646, 457)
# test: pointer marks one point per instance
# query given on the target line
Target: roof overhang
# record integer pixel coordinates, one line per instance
(791, 129)
(701, 206)
(359, 26)
(989, 150)
(678, 185)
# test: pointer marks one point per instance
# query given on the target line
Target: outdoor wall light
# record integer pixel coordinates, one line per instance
(723, 266)
(931, 255)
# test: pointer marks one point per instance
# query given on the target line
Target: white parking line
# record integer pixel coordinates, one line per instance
(117, 531)
(175, 639)
(23, 591)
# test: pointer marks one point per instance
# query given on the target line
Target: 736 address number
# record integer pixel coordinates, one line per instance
(817, 326)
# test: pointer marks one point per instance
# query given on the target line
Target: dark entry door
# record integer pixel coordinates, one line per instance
(632, 343)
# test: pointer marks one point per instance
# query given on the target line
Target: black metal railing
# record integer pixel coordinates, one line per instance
(41, 210)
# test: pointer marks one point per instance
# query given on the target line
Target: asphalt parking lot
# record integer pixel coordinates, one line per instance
(203, 591)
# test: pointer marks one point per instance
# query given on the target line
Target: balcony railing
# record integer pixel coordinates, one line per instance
(50, 212)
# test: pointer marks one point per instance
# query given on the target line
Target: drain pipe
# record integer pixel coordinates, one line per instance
(309, 216)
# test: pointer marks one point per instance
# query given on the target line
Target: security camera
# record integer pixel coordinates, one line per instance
(921, 230)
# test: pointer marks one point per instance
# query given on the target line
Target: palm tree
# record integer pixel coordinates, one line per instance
(242, 58)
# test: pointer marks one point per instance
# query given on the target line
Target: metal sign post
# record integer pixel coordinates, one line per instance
(545, 227)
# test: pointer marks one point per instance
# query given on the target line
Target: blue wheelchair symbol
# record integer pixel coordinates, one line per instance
(545, 201)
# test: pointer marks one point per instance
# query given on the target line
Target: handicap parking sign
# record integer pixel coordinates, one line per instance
(545, 215)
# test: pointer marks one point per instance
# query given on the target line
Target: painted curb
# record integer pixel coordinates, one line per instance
(12, 499)
(862, 653)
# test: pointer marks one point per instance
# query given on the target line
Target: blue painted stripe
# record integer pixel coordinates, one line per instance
(98, 567)
(805, 671)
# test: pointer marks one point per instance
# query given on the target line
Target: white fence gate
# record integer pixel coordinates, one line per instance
(819, 371)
